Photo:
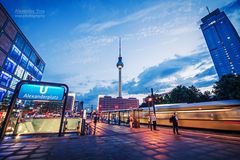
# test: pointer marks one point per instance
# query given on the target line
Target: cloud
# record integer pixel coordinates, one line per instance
(142, 16)
(194, 69)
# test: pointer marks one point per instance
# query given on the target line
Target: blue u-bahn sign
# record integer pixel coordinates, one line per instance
(41, 92)
(30, 90)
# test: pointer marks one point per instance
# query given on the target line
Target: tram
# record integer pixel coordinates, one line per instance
(217, 115)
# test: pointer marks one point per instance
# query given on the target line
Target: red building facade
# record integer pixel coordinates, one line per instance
(108, 103)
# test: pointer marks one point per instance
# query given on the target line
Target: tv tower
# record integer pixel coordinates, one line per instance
(120, 66)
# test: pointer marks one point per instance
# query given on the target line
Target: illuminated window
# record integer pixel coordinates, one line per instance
(39, 76)
(15, 53)
(2, 93)
(9, 65)
(41, 66)
(19, 71)
(30, 67)
(14, 83)
(5, 79)
(35, 71)
(23, 61)
(27, 76)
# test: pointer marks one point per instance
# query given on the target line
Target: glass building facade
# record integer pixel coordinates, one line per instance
(18, 59)
(223, 42)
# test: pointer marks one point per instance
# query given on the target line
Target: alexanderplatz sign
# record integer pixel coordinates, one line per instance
(30, 90)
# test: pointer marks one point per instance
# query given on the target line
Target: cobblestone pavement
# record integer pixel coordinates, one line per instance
(120, 143)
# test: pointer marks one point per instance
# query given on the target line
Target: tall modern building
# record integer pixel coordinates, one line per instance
(70, 102)
(18, 59)
(223, 42)
(120, 66)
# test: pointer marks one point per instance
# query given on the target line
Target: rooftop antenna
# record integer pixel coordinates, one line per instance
(119, 46)
(208, 9)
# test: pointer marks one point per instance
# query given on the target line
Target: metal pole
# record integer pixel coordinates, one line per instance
(153, 98)
(150, 122)
(63, 113)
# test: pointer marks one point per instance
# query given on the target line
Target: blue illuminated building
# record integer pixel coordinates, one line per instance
(18, 59)
(223, 42)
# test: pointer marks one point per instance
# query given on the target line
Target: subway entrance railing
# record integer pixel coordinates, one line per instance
(39, 107)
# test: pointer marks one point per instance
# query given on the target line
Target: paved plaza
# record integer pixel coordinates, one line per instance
(113, 142)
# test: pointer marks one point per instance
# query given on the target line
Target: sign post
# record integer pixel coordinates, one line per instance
(31, 90)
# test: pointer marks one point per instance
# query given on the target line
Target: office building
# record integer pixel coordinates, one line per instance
(70, 102)
(18, 59)
(78, 106)
(107, 103)
(223, 42)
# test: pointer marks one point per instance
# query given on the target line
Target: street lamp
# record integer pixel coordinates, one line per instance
(149, 100)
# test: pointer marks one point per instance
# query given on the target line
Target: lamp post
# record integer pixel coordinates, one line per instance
(149, 100)
(153, 98)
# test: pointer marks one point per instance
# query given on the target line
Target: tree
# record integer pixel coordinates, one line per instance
(228, 87)
(206, 96)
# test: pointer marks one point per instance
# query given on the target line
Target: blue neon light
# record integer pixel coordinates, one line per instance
(41, 92)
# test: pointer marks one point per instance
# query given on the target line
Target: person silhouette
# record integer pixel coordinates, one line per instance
(175, 123)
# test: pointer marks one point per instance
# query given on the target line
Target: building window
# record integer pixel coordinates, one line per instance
(23, 61)
(39, 76)
(19, 71)
(9, 65)
(2, 57)
(10, 30)
(27, 76)
(14, 83)
(27, 50)
(9, 94)
(41, 66)
(35, 71)
(30, 67)
(2, 93)
(5, 79)
(15, 53)
(5, 43)
(3, 18)
(19, 42)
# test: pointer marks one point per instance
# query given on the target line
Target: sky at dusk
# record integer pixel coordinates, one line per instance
(162, 44)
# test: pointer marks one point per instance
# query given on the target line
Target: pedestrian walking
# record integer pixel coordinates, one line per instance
(95, 119)
(174, 121)
(154, 120)
(130, 121)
